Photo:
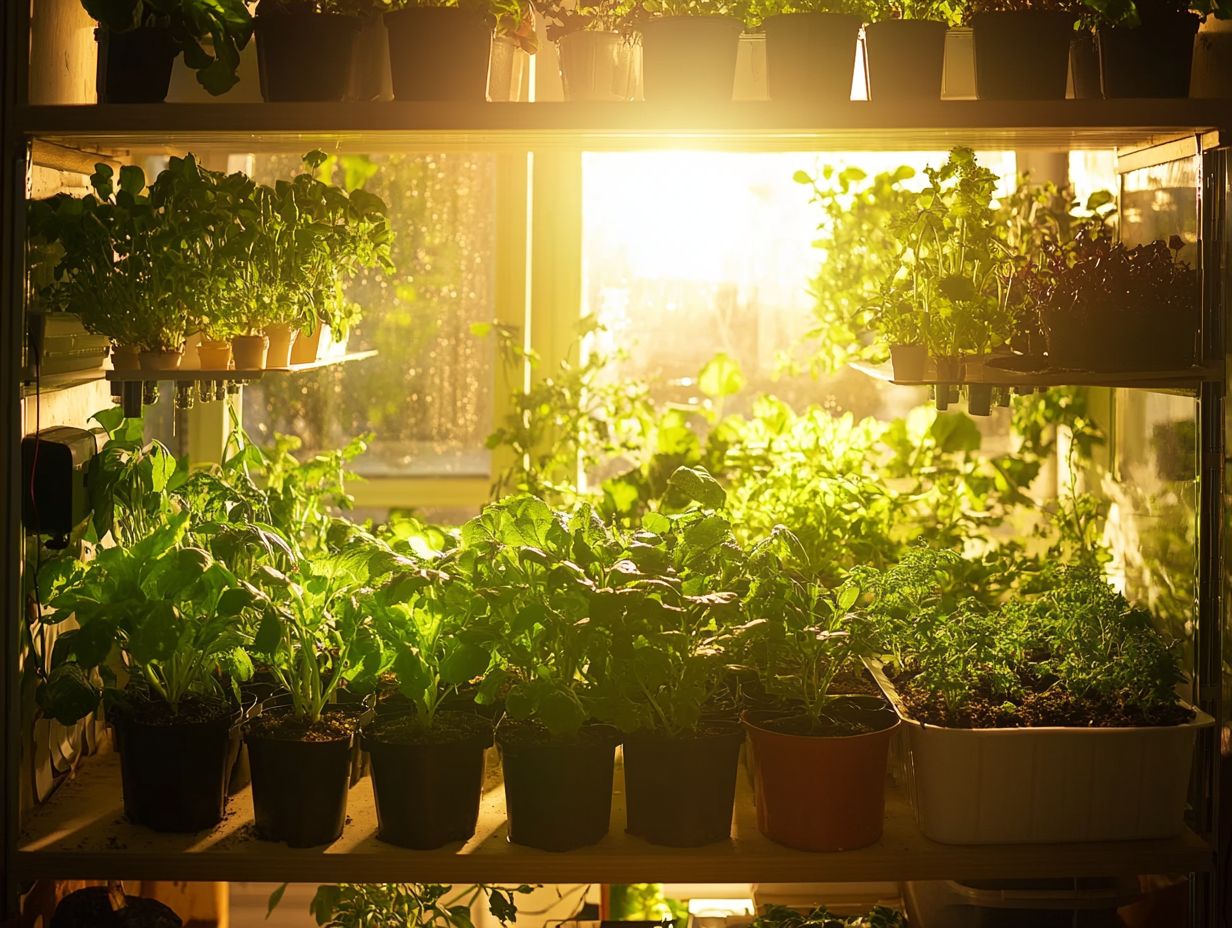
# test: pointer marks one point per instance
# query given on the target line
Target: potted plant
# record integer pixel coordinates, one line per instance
(406, 905)
(440, 49)
(179, 620)
(668, 600)
(314, 635)
(1019, 714)
(810, 46)
(1022, 47)
(689, 49)
(595, 45)
(524, 560)
(819, 772)
(427, 759)
(953, 270)
(781, 916)
(1141, 303)
(1145, 47)
(305, 48)
(139, 41)
(904, 50)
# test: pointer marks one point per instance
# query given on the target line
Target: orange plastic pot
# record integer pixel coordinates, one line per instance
(819, 793)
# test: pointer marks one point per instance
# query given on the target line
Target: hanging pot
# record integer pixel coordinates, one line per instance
(1152, 60)
(299, 787)
(910, 362)
(679, 791)
(811, 56)
(596, 66)
(438, 53)
(427, 791)
(821, 792)
(135, 66)
(173, 769)
(305, 57)
(558, 792)
(161, 360)
(905, 59)
(690, 59)
(214, 355)
(281, 337)
(249, 352)
(1084, 67)
(125, 358)
(1021, 55)
(979, 399)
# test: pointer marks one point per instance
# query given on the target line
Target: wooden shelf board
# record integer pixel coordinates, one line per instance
(81, 833)
(751, 125)
(1186, 380)
(190, 375)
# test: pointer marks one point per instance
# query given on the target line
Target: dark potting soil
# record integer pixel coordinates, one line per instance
(332, 726)
(706, 729)
(447, 728)
(193, 710)
(834, 727)
(1050, 708)
(532, 734)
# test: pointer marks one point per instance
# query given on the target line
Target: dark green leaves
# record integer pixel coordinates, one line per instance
(68, 695)
(696, 485)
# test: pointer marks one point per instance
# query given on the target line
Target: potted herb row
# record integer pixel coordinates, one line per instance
(1021, 718)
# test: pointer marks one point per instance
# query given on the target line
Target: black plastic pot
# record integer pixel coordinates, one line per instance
(174, 776)
(299, 788)
(1021, 55)
(811, 56)
(305, 57)
(558, 793)
(679, 791)
(979, 399)
(427, 795)
(690, 59)
(438, 53)
(1153, 60)
(905, 59)
(135, 66)
(1123, 341)
(1084, 67)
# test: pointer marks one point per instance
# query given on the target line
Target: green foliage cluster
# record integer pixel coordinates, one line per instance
(210, 33)
(200, 250)
(780, 916)
(406, 905)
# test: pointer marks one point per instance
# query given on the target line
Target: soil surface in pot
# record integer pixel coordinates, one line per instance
(839, 721)
(193, 710)
(447, 728)
(532, 734)
(1041, 706)
(283, 726)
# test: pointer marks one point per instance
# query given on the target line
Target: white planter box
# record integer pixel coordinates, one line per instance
(1044, 785)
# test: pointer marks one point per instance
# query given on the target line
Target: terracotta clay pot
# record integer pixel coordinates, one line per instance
(822, 793)
(249, 352)
(281, 338)
(125, 358)
(214, 355)
(161, 360)
(910, 362)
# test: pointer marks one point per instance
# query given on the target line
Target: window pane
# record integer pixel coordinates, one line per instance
(427, 395)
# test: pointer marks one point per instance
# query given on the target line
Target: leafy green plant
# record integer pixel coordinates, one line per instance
(780, 916)
(759, 10)
(561, 19)
(407, 905)
(740, 9)
(211, 33)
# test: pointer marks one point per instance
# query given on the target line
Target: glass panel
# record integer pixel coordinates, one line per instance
(427, 396)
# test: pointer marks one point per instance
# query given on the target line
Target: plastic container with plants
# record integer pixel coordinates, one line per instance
(810, 46)
(820, 759)
(595, 43)
(689, 49)
(668, 597)
(524, 559)
(427, 743)
(1022, 47)
(407, 905)
(1022, 714)
(139, 41)
(904, 49)
(306, 48)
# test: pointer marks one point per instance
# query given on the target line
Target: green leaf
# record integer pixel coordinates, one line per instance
(269, 634)
(158, 634)
(955, 431)
(721, 377)
(697, 485)
(465, 662)
(68, 695)
(275, 898)
(560, 713)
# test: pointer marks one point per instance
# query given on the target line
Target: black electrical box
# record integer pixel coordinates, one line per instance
(54, 495)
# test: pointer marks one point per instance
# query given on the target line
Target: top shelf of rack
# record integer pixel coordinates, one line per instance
(750, 126)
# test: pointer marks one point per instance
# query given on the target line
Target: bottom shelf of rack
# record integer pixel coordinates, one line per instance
(81, 833)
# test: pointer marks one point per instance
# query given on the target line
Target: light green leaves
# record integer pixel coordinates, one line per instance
(696, 485)
(721, 377)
